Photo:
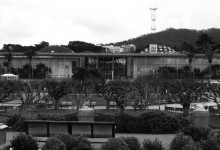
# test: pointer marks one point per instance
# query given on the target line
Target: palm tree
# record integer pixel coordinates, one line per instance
(87, 79)
(190, 52)
(7, 49)
(8, 56)
(206, 46)
(30, 51)
(87, 75)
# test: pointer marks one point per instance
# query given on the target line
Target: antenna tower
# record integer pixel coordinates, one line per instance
(153, 10)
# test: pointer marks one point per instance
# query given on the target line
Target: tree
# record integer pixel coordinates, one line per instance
(24, 71)
(85, 81)
(88, 75)
(190, 52)
(184, 92)
(41, 71)
(146, 90)
(30, 52)
(6, 88)
(214, 89)
(78, 90)
(41, 45)
(8, 55)
(13, 48)
(118, 91)
(167, 72)
(206, 45)
(57, 90)
(28, 92)
(79, 46)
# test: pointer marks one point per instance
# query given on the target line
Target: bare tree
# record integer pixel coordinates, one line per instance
(184, 92)
(145, 90)
(28, 92)
(78, 90)
(118, 91)
(214, 89)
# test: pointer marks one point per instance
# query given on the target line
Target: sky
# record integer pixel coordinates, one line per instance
(29, 22)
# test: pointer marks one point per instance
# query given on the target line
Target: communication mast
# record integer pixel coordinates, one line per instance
(153, 10)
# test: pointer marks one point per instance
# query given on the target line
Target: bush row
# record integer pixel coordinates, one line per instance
(78, 142)
(189, 138)
(155, 122)
(196, 138)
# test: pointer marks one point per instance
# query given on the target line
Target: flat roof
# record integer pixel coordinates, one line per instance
(109, 55)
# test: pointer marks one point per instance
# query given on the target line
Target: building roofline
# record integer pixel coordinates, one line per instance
(110, 54)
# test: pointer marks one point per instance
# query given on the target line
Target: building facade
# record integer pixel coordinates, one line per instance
(63, 61)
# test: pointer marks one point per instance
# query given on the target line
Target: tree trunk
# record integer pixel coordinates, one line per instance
(77, 102)
(9, 66)
(218, 105)
(30, 69)
(158, 104)
(186, 110)
(190, 69)
(210, 71)
(107, 104)
(121, 109)
(56, 104)
(77, 105)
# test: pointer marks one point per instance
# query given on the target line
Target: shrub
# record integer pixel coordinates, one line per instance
(211, 143)
(127, 123)
(133, 143)
(183, 121)
(66, 139)
(49, 117)
(196, 133)
(180, 141)
(11, 121)
(157, 122)
(24, 142)
(74, 142)
(54, 144)
(5, 146)
(192, 146)
(79, 142)
(105, 118)
(20, 125)
(152, 145)
(16, 122)
(71, 118)
(115, 144)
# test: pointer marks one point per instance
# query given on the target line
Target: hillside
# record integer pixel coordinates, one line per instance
(170, 37)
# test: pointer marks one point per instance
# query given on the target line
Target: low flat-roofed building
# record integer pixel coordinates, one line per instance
(62, 61)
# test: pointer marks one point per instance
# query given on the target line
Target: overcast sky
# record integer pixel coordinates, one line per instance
(29, 22)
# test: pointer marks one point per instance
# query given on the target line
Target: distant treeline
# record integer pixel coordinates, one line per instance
(170, 37)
